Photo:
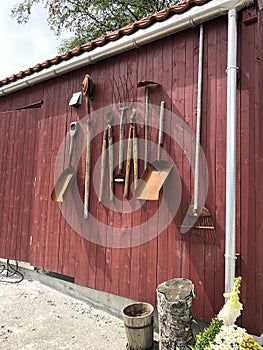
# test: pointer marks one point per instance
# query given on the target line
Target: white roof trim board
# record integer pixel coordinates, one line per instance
(158, 30)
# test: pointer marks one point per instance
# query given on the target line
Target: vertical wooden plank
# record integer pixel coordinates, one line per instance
(196, 248)
(124, 254)
(28, 123)
(97, 75)
(104, 254)
(172, 243)
(80, 252)
(238, 158)
(208, 142)
(248, 176)
(64, 235)
(179, 110)
(189, 245)
(4, 133)
(258, 320)
(114, 256)
(41, 198)
(132, 73)
(220, 155)
(177, 78)
(5, 181)
(165, 61)
(48, 240)
(17, 190)
(143, 250)
(152, 206)
(10, 197)
(53, 130)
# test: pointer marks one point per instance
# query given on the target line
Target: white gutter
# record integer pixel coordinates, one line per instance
(175, 23)
(230, 239)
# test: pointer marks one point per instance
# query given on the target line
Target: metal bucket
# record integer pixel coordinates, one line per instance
(138, 322)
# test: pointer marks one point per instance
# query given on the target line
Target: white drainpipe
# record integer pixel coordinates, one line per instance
(230, 238)
(191, 18)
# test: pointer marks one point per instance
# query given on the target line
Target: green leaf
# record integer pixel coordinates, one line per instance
(89, 19)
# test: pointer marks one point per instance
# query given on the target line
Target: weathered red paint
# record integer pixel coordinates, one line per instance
(29, 142)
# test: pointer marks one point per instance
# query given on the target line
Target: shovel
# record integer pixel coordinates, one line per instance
(155, 173)
(63, 183)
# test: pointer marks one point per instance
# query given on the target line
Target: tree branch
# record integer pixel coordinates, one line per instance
(88, 13)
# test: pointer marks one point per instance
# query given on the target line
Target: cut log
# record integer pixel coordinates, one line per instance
(174, 299)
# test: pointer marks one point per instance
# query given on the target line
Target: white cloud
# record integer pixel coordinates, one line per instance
(23, 46)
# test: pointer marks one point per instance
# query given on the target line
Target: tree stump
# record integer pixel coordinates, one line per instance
(174, 299)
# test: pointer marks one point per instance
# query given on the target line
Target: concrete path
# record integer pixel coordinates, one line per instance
(35, 316)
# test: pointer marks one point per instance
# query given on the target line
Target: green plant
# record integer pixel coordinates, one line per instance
(222, 333)
(204, 338)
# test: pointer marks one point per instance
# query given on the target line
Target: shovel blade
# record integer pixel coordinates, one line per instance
(63, 184)
(152, 180)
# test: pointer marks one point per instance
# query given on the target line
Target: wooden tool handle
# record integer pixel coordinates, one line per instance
(87, 174)
(110, 146)
(146, 128)
(103, 163)
(121, 140)
(135, 157)
(161, 122)
(128, 164)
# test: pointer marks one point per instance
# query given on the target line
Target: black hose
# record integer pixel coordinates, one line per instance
(10, 274)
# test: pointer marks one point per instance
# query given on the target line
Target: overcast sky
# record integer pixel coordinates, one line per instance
(23, 46)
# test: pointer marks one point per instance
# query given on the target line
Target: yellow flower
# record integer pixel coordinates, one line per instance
(249, 343)
(233, 337)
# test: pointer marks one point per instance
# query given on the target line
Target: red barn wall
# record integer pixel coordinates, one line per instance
(33, 227)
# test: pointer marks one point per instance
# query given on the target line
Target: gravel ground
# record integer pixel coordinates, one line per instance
(35, 316)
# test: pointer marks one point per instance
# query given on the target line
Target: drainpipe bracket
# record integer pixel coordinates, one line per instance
(232, 67)
(231, 257)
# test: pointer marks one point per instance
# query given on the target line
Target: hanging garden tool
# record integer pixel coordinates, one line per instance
(146, 84)
(155, 173)
(107, 149)
(65, 179)
(201, 216)
(87, 90)
(132, 154)
(110, 148)
(120, 176)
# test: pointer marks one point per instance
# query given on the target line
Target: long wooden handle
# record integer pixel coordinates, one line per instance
(87, 174)
(128, 164)
(135, 157)
(103, 163)
(110, 146)
(146, 128)
(161, 122)
(121, 141)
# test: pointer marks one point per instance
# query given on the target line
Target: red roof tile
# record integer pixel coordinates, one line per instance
(113, 36)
